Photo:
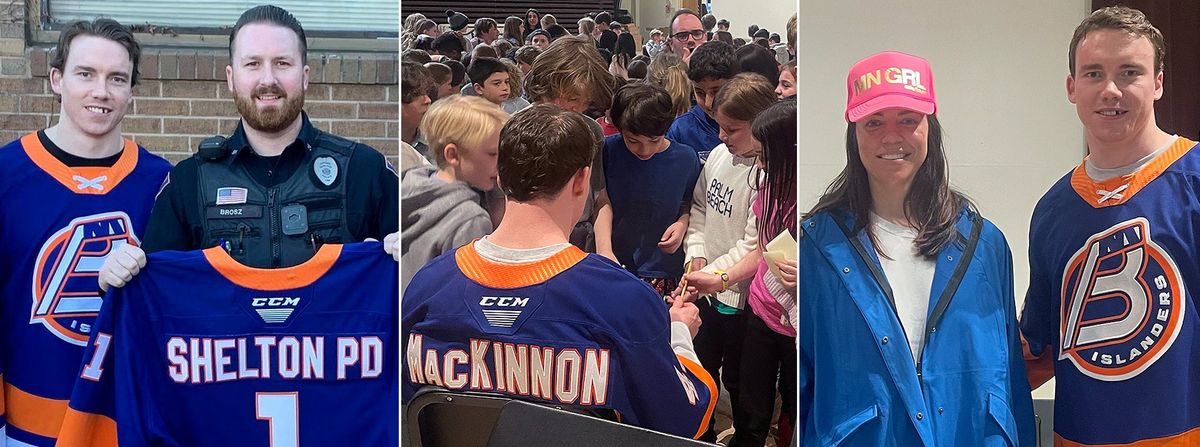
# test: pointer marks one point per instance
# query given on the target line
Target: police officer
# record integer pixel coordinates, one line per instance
(278, 188)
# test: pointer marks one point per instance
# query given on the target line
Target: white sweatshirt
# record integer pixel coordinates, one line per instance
(721, 227)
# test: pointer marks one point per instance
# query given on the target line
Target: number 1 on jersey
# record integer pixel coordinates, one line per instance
(93, 369)
(282, 413)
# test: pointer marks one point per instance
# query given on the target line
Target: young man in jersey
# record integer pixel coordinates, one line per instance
(580, 331)
(1114, 254)
(278, 188)
(74, 193)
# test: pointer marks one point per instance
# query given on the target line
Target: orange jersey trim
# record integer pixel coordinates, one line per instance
(273, 280)
(80, 429)
(34, 414)
(702, 374)
(1090, 190)
(82, 180)
(1186, 439)
(512, 276)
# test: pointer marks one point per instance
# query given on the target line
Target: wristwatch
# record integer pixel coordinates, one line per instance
(724, 279)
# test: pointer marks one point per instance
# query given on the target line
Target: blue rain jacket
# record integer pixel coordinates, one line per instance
(859, 384)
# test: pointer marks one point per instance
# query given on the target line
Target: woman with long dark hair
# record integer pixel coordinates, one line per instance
(532, 23)
(907, 325)
(623, 53)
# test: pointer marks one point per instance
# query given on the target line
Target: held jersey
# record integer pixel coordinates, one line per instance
(59, 223)
(199, 350)
(574, 330)
(1115, 266)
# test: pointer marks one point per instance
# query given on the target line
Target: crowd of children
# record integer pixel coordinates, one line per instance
(692, 173)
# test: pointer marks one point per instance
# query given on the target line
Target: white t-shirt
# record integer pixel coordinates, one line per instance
(1101, 174)
(909, 274)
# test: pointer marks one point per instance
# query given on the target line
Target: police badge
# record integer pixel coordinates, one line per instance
(326, 170)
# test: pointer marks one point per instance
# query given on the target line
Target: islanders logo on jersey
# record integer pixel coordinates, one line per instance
(65, 293)
(1123, 303)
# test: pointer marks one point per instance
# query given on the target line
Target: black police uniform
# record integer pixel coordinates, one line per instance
(275, 211)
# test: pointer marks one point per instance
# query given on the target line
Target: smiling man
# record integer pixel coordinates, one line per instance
(76, 192)
(278, 188)
(1113, 254)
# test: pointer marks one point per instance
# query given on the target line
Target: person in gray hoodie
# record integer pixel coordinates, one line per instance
(441, 208)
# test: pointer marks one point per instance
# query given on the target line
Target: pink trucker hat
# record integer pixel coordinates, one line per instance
(886, 80)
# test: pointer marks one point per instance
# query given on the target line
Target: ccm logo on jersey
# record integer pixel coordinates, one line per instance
(65, 296)
(502, 318)
(276, 309)
(503, 301)
(1123, 303)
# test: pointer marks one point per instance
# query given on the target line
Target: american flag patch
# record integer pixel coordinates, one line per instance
(231, 196)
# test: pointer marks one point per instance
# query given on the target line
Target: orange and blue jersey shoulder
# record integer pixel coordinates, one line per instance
(272, 357)
(573, 330)
(1114, 266)
(60, 222)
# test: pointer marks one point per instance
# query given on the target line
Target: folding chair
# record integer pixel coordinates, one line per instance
(443, 419)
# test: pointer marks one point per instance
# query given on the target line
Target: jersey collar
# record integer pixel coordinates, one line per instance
(96, 180)
(1118, 190)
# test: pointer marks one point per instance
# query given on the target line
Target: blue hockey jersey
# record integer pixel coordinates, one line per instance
(199, 350)
(574, 330)
(59, 223)
(1113, 270)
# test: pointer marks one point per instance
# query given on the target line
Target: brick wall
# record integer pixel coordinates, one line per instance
(182, 96)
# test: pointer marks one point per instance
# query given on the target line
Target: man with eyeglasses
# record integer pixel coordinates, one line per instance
(687, 33)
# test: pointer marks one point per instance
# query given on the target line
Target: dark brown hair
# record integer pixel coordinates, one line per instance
(512, 29)
(103, 28)
(273, 15)
(775, 129)
(484, 25)
(541, 148)
(932, 206)
(1120, 18)
(643, 109)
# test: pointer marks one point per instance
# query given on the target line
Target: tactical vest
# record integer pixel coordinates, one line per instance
(282, 225)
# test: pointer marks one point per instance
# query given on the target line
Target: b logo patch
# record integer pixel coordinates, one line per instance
(1123, 303)
(65, 294)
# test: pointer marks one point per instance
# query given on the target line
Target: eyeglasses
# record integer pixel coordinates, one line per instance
(683, 35)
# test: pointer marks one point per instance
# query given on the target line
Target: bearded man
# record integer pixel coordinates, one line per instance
(278, 188)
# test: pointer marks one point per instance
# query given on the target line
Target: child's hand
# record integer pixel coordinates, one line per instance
(678, 294)
(787, 272)
(704, 282)
(608, 254)
(673, 237)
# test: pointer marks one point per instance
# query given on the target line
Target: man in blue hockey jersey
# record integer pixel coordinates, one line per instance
(522, 312)
(73, 193)
(1114, 256)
